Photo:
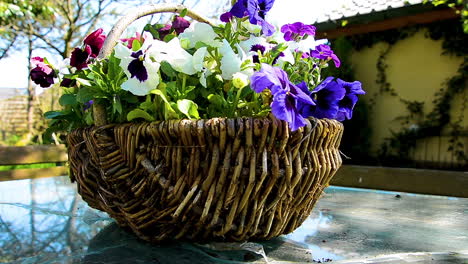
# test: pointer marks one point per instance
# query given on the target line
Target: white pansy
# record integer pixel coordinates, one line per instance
(199, 32)
(246, 45)
(133, 84)
(230, 63)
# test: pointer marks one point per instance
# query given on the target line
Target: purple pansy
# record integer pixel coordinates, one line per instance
(256, 10)
(95, 41)
(346, 105)
(80, 57)
(179, 24)
(41, 73)
(295, 30)
(287, 97)
(137, 68)
(324, 52)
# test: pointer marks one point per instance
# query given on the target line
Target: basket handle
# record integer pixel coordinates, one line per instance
(125, 21)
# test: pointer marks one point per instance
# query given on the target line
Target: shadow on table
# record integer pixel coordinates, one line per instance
(115, 245)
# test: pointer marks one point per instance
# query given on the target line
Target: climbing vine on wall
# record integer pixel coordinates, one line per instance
(454, 42)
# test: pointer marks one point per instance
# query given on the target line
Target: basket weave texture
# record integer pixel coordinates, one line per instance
(206, 180)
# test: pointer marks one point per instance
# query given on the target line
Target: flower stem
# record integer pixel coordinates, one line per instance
(236, 102)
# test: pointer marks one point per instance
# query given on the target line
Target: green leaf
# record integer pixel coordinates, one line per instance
(184, 12)
(188, 108)
(169, 37)
(169, 112)
(85, 94)
(160, 93)
(54, 114)
(138, 113)
(167, 69)
(89, 118)
(116, 105)
(136, 45)
(216, 100)
(83, 82)
(130, 98)
(67, 99)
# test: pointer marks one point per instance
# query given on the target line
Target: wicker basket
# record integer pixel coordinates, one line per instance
(205, 180)
(202, 180)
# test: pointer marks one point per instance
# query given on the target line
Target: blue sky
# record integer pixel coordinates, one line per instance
(14, 68)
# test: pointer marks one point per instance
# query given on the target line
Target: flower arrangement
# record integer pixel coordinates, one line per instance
(243, 67)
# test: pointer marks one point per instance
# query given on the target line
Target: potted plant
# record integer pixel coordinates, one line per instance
(198, 131)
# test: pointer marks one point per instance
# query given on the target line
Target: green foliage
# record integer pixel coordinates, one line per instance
(398, 146)
(455, 4)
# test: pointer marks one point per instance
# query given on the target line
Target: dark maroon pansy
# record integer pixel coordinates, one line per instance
(95, 40)
(41, 73)
(80, 57)
(66, 82)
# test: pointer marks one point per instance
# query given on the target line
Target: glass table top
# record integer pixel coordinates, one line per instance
(46, 221)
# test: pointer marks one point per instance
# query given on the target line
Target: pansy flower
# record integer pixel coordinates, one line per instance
(164, 31)
(199, 32)
(295, 30)
(95, 41)
(287, 97)
(180, 24)
(324, 52)
(80, 57)
(41, 73)
(255, 10)
(141, 70)
(92, 45)
(231, 62)
(179, 59)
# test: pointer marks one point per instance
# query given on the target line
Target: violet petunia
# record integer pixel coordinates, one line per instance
(295, 30)
(95, 41)
(226, 17)
(287, 97)
(326, 96)
(41, 73)
(346, 105)
(80, 57)
(324, 52)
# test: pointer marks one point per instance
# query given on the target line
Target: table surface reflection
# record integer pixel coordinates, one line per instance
(46, 221)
